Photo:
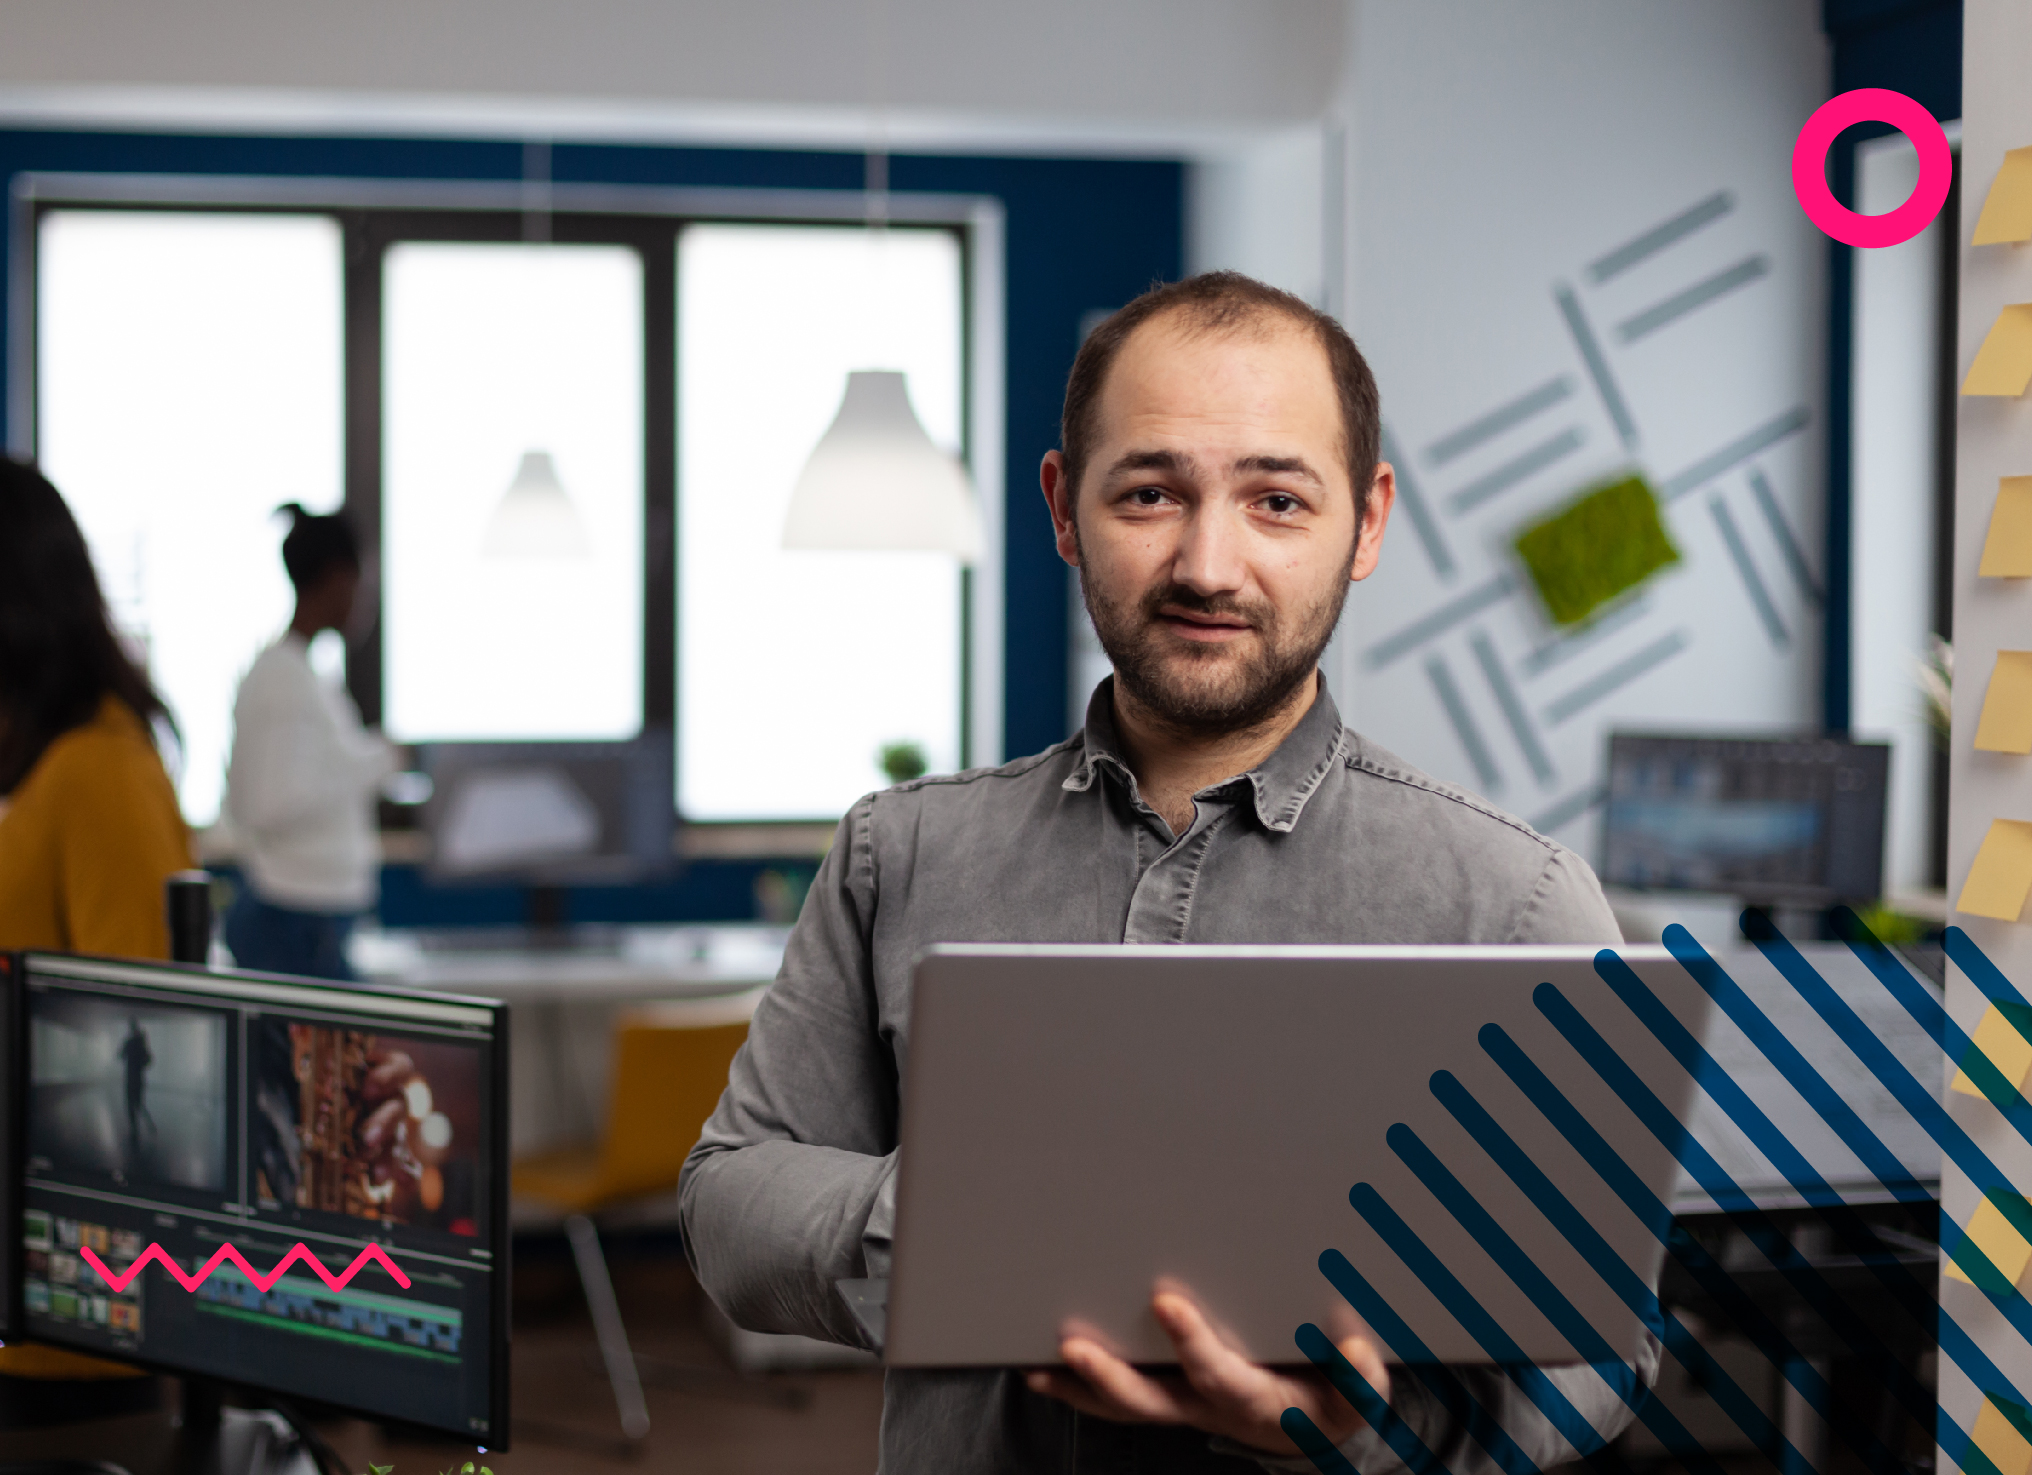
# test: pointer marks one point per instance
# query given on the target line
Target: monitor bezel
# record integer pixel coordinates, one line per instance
(21, 964)
(13, 1137)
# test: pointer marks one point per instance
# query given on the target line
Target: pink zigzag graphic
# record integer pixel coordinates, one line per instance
(297, 1251)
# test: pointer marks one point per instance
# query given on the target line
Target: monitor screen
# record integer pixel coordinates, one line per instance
(550, 812)
(1796, 821)
(10, 1143)
(177, 1112)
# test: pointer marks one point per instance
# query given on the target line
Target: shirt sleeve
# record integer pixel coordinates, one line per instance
(118, 840)
(1566, 905)
(792, 1185)
(291, 761)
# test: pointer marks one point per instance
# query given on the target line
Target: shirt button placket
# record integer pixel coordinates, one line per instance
(1159, 906)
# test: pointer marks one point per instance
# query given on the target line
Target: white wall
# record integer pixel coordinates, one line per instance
(1497, 151)
(1894, 441)
(1260, 207)
(1991, 437)
(1077, 73)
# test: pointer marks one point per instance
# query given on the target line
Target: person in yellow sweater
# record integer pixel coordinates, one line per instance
(89, 824)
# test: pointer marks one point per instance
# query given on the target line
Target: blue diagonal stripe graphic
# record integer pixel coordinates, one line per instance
(1417, 1358)
(1748, 1317)
(1361, 1394)
(1715, 1181)
(1982, 1172)
(1895, 1078)
(1761, 1032)
(1475, 1319)
(1314, 1444)
(1976, 964)
(1586, 1339)
(1758, 1127)
(1930, 1016)
(1953, 1340)
(1560, 1211)
(1804, 1275)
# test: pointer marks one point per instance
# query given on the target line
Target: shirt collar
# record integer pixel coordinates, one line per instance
(1280, 785)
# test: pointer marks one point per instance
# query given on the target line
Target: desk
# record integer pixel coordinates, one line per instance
(566, 993)
(585, 965)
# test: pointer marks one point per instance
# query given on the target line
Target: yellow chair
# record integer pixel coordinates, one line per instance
(670, 1065)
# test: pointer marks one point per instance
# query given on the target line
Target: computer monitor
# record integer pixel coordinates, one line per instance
(1773, 821)
(550, 813)
(181, 1110)
(10, 1149)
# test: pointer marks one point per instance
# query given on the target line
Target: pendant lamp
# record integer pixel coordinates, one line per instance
(535, 519)
(876, 480)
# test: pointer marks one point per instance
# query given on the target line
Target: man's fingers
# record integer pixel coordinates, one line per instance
(1215, 1370)
(1133, 1394)
(1068, 1389)
(1368, 1361)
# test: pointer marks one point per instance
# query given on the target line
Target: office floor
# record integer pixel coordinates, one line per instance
(560, 1392)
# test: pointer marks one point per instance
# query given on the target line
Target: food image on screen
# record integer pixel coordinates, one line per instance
(368, 1125)
(134, 1092)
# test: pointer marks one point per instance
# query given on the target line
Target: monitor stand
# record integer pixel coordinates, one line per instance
(217, 1439)
(546, 912)
(1795, 923)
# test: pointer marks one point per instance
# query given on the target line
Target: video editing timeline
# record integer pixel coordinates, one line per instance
(196, 1110)
(364, 1318)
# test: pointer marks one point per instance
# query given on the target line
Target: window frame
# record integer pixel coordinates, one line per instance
(375, 215)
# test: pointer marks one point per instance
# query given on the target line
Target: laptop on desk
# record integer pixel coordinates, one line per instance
(1358, 1138)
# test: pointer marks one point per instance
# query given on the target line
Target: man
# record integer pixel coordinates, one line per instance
(136, 1057)
(1219, 489)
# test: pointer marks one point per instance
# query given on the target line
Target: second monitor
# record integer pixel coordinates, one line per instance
(174, 1107)
(1773, 821)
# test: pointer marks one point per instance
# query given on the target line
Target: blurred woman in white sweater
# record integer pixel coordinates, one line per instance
(304, 776)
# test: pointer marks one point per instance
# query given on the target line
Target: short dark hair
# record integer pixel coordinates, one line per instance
(1226, 302)
(315, 545)
(60, 656)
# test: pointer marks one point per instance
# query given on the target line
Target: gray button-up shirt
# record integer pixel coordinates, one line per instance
(1330, 840)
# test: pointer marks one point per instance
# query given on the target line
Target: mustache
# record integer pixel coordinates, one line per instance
(1256, 615)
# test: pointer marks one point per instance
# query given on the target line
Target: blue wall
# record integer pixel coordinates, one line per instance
(1908, 46)
(1081, 234)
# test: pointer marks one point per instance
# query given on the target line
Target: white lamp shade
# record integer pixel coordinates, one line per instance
(876, 481)
(535, 519)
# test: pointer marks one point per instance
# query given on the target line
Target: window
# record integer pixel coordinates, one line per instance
(493, 352)
(189, 382)
(796, 667)
(655, 381)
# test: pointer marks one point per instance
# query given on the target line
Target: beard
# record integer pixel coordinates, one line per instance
(1211, 690)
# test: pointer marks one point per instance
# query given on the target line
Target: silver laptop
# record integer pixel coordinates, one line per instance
(1291, 1135)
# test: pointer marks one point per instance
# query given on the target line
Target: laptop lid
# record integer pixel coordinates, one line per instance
(1357, 1138)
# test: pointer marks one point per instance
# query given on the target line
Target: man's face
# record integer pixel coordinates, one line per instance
(1215, 531)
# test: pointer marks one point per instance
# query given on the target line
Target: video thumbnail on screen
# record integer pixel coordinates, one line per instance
(134, 1092)
(373, 1126)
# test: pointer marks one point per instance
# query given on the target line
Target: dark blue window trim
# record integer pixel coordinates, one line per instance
(1913, 47)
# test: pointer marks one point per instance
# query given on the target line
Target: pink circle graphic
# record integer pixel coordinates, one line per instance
(1871, 105)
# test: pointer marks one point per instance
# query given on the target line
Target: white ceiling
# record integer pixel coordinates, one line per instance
(1056, 74)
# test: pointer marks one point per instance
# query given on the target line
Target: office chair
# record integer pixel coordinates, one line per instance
(670, 1065)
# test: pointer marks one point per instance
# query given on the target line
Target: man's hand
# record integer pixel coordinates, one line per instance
(1215, 1389)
